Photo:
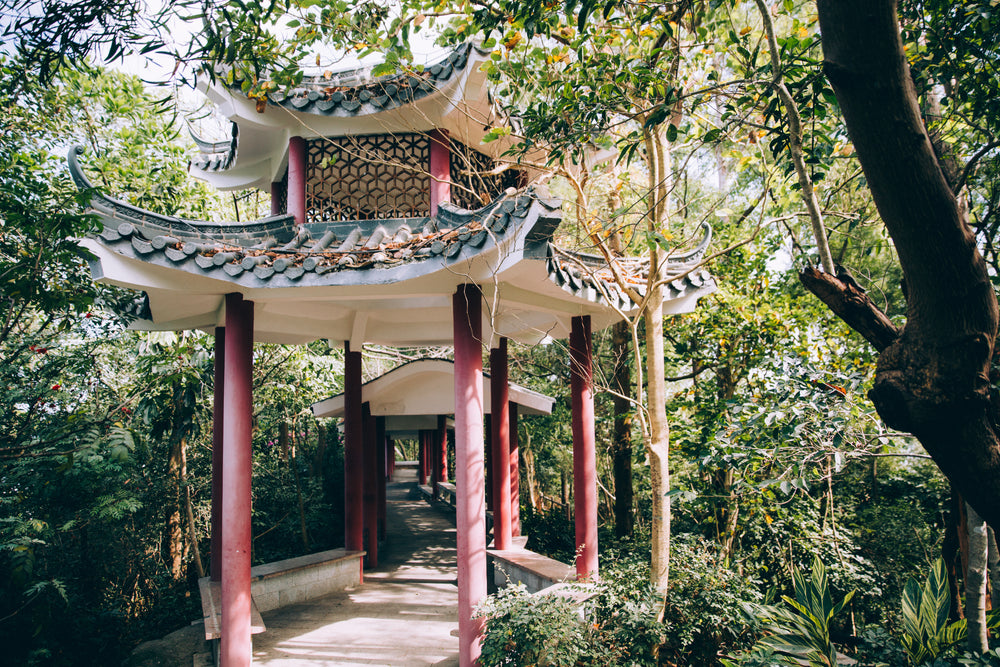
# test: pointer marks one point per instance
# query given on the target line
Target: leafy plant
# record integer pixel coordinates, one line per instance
(927, 632)
(800, 631)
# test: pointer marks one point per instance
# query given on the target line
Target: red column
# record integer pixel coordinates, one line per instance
(515, 474)
(276, 191)
(297, 176)
(441, 455)
(439, 168)
(470, 510)
(371, 486)
(353, 453)
(584, 454)
(217, 417)
(235, 650)
(499, 420)
(422, 457)
(381, 471)
(488, 453)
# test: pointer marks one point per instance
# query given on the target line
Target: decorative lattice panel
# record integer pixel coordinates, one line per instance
(473, 182)
(374, 177)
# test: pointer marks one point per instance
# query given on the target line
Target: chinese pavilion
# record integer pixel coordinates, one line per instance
(391, 223)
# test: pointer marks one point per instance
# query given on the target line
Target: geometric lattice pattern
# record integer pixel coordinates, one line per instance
(473, 184)
(373, 177)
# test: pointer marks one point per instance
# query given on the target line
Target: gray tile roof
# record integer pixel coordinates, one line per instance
(275, 252)
(344, 94)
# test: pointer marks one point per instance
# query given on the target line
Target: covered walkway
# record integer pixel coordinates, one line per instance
(405, 613)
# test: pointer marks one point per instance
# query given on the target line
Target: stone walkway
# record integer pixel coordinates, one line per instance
(405, 613)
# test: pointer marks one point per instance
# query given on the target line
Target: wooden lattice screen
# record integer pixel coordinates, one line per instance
(474, 184)
(374, 177)
(384, 176)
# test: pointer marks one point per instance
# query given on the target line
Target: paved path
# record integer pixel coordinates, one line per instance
(405, 613)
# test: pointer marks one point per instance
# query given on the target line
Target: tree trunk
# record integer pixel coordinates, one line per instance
(933, 380)
(621, 335)
(994, 565)
(658, 444)
(950, 553)
(174, 528)
(199, 567)
(975, 582)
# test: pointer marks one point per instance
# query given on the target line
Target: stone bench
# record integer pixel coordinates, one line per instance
(520, 566)
(285, 582)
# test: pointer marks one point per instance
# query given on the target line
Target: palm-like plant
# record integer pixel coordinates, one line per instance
(800, 629)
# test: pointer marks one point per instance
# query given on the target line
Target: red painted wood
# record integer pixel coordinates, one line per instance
(217, 452)
(297, 176)
(441, 452)
(235, 650)
(440, 168)
(515, 473)
(422, 457)
(500, 442)
(277, 189)
(470, 509)
(371, 487)
(353, 453)
(584, 454)
(381, 468)
(488, 452)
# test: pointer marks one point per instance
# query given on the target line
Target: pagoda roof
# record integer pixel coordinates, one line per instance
(449, 95)
(426, 387)
(385, 281)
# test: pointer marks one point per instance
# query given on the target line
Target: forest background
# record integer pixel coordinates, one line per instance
(718, 112)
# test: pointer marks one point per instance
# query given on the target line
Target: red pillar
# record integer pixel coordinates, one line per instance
(470, 510)
(441, 447)
(584, 454)
(371, 486)
(515, 473)
(499, 420)
(217, 445)
(297, 175)
(488, 453)
(353, 453)
(235, 650)
(277, 189)
(381, 471)
(422, 457)
(439, 168)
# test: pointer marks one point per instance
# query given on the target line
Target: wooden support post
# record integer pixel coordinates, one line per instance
(470, 510)
(277, 190)
(297, 176)
(439, 168)
(441, 449)
(217, 452)
(422, 457)
(584, 453)
(500, 425)
(515, 473)
(381, 469)
(488, 467)
(235, 650)
(371, 487)
(353, 453)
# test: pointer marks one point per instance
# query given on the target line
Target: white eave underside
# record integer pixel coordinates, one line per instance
(427, 387)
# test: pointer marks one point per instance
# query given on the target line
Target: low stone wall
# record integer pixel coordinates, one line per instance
(285, 582)
(520, 566)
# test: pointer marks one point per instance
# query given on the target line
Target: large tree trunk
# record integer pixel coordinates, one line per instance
(933, 380)
(622, 446)
(975, 582)
(175, 543)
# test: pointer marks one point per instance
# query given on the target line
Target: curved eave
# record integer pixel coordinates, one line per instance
(457, 102)
(426, 387)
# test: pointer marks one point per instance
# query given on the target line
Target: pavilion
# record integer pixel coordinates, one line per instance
(391, 223)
